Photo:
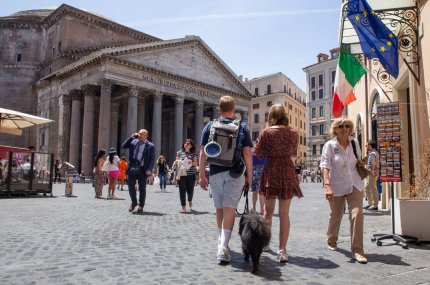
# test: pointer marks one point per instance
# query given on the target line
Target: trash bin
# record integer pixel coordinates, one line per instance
(69, 184)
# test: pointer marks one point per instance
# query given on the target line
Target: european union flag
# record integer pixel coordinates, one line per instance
(376, 39)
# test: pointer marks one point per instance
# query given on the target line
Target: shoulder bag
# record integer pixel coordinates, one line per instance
(361, 169)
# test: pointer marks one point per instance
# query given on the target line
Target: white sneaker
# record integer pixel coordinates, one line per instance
(282, 255)
(223, 255)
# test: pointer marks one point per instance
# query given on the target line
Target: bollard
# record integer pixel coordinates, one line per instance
(69, 184)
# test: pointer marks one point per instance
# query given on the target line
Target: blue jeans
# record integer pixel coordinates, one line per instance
(131, 181)
(163, 181)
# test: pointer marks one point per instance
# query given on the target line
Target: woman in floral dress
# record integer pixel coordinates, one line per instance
(279, 143)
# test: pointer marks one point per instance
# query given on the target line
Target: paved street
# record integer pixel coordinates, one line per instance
(84, 240)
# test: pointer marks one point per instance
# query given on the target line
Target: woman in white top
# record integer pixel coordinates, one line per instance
(342, 182)
(114, 172)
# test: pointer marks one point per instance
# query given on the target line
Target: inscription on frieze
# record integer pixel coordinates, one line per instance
(179, 86)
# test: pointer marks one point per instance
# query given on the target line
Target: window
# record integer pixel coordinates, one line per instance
(332, 90)
(290, 106)
(321, 93)
(314, 149)
(321, 129)
(321, 148)
(301, 140)
(256, 119)
(304, 154)
(254, 136)
(314, 113)
(320, 80)
(321, 111)
(314, 130)
(312, 82)
(255, 106)
(18, 57)
(301, 124)
(289, 91)
(285, 88)
(295, 122)
(269, 89)
(256, 91)
(313, 95)
(59, 47)
(266, 117)
(269, 103)
(304, 125)
(304, 140)
(333, 76)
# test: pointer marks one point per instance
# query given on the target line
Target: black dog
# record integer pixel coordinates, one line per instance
(255, 234)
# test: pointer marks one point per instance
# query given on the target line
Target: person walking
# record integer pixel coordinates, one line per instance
(226, 182)
(98, 173)
(279, 178)
(257, 171)
(113, 173)
(57, 175)
(371, 184)
(162, 172)
(343, 183)
(188, 162)
(141, 158)
(122, 165)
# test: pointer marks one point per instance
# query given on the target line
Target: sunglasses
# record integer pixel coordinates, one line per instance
(342, 126)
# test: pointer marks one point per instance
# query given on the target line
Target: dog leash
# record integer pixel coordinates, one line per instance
(245, 194)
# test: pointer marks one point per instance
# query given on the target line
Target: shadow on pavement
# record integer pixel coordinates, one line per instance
(148, 214)
(315, 263)
(374, 257)
(375, 213)
(194, 212)
(268, 268)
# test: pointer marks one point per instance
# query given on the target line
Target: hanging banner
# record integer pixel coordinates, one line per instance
(390, 149)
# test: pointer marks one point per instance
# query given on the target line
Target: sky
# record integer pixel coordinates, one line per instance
(253, 37)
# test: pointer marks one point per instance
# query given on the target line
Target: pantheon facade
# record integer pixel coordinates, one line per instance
(101, 81)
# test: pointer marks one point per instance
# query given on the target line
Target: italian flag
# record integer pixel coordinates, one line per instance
(348, 73)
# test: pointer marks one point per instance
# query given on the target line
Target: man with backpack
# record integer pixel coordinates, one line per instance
(226, 146)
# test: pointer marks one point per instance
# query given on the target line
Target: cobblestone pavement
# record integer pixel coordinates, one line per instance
(84, 240)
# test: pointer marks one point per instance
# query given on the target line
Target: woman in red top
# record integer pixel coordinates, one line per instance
(279, 180)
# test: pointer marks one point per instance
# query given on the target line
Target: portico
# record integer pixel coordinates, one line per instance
(169, 88)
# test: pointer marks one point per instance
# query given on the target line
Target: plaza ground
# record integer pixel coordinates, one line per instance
(83, 240)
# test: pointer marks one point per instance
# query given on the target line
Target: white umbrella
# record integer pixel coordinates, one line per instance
(12, 122)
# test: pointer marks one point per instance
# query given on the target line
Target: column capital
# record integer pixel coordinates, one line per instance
(158, 97)
(66, 99)
(200, 104)
(179, 101)
(76, 95)
(133, 91)
(89, 90)
(105, 83)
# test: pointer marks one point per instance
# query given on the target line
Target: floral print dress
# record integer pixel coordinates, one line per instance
(279, 179)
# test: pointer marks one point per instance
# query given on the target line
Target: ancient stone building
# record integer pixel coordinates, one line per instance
(101, 81)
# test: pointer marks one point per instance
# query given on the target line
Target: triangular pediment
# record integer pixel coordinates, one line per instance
(189, 57)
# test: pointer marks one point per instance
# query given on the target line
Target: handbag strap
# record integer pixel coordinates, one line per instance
(354, 149)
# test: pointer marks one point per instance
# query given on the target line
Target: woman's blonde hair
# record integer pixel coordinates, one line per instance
(341, 121)
(277, 116)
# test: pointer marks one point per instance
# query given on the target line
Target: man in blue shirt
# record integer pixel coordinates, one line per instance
(226, 189)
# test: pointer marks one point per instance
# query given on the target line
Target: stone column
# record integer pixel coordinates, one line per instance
(141, 114)
(156, 123)
(88, 130)
(244, 115)
(104, 118)
(75, 128)
(198, 122)
(132, 111)
(124, 107)
(63, 126)
(114, 124)
(179, 122)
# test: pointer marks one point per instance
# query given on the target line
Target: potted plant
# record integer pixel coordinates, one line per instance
(412, 212)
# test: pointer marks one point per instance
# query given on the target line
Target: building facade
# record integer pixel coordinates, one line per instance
(320, 82)
(278, 89)
(101, 81)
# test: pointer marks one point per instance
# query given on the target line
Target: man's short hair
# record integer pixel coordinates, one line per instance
(226, 104)
(372, 144)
